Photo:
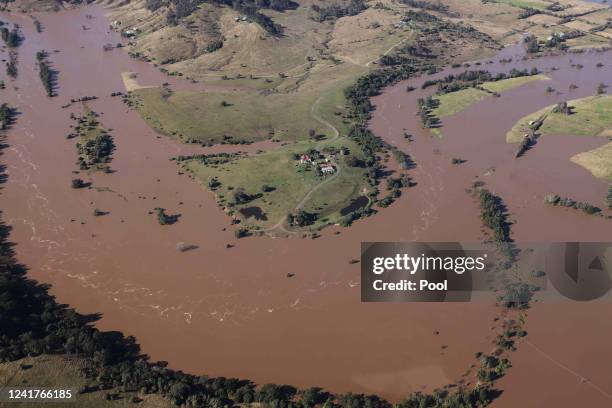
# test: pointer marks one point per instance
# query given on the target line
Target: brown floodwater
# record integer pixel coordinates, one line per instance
(565, 360)
(233, 312)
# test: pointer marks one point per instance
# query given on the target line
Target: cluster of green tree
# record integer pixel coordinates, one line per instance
(463, 397)
(588, 208)
(335, 10)
(6, 116)
(213, 160)
(389, 199)
(409, 54)
(555, 40)
(11, 38)
(241, 197)
(277, 5)
(98, 213)
(214, 45)
(426, 5)
(11, 65)
(78, 183)
(166, 219)
(179, 9)
(396, 183)
(363, 212)
(88, 98)
(517, 295)
(46, 74)
(528, 12)
(563, 108)
(242, 233)
(370, 84)
(403, 159)
(426, 105)
(301, 218)
(493, 214)
(602, 27)
(214, 183)
(352, 161)
(491, 368)
(601, 88)
(394, 186)
(533, 46)
(96, 150)
(405, 57)
(370, 144)
(96, 146)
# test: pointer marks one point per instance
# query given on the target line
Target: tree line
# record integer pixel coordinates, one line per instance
(556, 200)
(494, 216)
(46, 74)
(474, 78)
(336, 10)
(6, 116)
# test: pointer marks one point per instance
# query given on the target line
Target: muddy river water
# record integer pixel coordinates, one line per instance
(233, 312)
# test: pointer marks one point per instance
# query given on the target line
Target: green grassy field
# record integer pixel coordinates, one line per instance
(535, 4)
(455, 102)
(291, 181)
(597, 161)
(591, 116)
(275, 168)
(206, 117)
(66, 372)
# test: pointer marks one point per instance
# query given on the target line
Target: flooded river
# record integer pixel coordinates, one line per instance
(232, 311)
(564, 361)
